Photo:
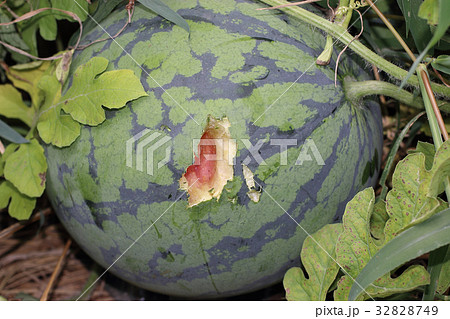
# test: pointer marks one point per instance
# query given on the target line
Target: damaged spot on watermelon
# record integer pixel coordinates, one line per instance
(213, 165)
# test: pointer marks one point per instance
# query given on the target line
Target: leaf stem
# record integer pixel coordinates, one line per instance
(341, 34)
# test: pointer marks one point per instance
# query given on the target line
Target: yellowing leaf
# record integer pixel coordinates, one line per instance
(26, 77)
(12, 106)
(20, 205)
(93, 88)
(413, 195)
(26, 169)
(53, 127)
(356, 247)
(318, 262)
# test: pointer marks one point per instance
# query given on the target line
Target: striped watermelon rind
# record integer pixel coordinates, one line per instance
(236, 63)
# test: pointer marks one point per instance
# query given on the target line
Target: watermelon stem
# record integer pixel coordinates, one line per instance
(341, 34)
(355, 91)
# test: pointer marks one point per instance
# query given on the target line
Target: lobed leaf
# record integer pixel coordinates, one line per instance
(26, 169)
(319, 262)
(426, 149)
(20, 205)
(440, 170)
(424, 237)
(53, 127)
(356, 247)
(414, 190)
(93, 88)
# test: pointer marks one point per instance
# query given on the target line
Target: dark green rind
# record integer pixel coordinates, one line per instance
(231, 246)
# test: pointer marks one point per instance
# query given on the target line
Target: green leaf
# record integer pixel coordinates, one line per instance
(47, 23)
(378, 221)
(442, 63)
(440, 170)
(318, 262)
(429, 10)
(409, 202)
(92, 87)
(12, 106)
(444, 278)
(10, 35)
(79, 7)
(418, 27)
(393, 153)
(426, 149)
(444, 23)
(11, 148)
(356, 247)
(164, 11)
(20, 205)
(53, 127)
(26, 169)
(9, 134)
(413, 242)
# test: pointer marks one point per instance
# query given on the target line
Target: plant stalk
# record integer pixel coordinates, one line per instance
(435, 259)
(355, 90)
(341, 34)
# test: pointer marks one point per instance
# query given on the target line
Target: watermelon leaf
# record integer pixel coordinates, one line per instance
(26, 169)
(318, 256)
(440, 170)
(53, 127)
(392, 153)
(11, 148)
(12, 105)
(20, 205)
(92, 87)
(426, 236)
(426, 149)
(444, 277)
(163, 10)
(356, 247)
(414, 190)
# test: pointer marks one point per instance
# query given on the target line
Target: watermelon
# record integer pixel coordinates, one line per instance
(138, 192)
